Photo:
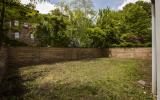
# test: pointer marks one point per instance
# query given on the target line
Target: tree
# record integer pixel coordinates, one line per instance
(128, 27)
(84, 5)
(51, 30)
(109, 21)
(3, 9)
(138, 21)
(2, 16)
(72, 24)
(97, 38)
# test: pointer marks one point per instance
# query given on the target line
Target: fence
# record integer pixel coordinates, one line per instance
(28, 55)
(3, 61)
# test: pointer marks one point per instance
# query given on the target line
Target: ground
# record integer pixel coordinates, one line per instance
(92, 79)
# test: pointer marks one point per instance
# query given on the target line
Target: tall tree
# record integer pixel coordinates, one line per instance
(138, 20)
(85, 5)
(2, 15)
(2, 18)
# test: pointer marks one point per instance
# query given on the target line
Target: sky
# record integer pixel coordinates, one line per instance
(46, 7)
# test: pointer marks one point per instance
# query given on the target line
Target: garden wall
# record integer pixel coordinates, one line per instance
(28, 55)
(3, 61)
(137, 53)
(34, 55)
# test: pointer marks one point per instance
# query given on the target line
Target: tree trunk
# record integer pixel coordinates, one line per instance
(2, 22)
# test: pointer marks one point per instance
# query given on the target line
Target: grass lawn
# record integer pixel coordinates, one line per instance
(96, 79)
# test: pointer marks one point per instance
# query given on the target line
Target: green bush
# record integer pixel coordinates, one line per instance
(12, 42)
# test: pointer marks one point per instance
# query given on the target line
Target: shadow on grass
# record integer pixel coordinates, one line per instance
(11, 87)
(70, 91)
(48, 62)
(38, 59)
(82, 91)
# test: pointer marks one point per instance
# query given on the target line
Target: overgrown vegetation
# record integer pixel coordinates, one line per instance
(77, 24)
(97, 79)
(13, 10)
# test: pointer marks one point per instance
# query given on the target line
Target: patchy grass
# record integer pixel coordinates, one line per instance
(97, 79)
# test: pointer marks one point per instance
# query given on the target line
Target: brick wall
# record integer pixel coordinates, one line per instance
(28, 55)
(137, 53)
(3, 62)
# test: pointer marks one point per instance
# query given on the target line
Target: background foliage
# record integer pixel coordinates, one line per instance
(78, 24)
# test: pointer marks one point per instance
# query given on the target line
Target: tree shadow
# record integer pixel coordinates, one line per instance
(39, 59)
(12, 87)
(71, 91)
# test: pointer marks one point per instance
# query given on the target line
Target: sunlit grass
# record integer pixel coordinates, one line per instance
(97, 79)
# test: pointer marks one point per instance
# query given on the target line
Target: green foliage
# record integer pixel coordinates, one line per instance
(136, 19)
(84, 5)
(12, 42)
(130, 27)
(51, 31)
(14, 10)
(74, 24)
(79, 24)
(110, 22)
(98, 38)
(17, 11)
